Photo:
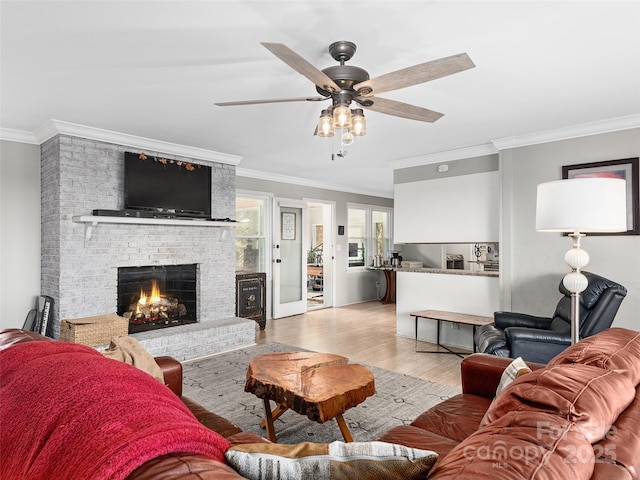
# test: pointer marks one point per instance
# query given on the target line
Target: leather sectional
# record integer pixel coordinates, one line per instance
(576, 417)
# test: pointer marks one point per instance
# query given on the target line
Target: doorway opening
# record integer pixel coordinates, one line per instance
(319, 258)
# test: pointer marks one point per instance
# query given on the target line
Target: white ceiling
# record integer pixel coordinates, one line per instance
(154, 70)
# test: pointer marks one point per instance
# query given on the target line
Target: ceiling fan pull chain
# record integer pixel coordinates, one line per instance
(333, 149)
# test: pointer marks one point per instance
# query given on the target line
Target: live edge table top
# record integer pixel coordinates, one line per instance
(321, 386)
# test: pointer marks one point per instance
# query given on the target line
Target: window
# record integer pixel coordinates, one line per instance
(369, 230)
(250, 233)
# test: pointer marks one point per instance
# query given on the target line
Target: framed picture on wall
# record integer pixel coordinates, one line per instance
(626, 169)
(288, 221)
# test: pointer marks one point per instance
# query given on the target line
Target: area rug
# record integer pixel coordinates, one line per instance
(217, 383)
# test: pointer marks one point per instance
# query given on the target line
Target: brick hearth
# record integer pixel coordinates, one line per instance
(80, 175)
(197, 340)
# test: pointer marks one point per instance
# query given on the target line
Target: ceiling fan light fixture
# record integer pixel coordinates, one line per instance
(342, 116)
(344, 84)
(358, 123)
(325, 124)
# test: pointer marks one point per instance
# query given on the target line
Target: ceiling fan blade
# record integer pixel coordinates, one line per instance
(274, 100)
(404, 110)
(302, 66)
(423, 72)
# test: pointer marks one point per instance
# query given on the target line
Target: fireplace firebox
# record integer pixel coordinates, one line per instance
(154, 297)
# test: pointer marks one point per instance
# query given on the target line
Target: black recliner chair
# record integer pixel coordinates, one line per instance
(539, 339)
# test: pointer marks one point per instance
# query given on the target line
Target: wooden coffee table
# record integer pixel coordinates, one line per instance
(321, 386)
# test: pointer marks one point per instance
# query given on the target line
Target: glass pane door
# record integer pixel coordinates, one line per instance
(289, 257)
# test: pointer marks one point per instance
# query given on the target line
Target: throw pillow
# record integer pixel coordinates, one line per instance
(330, 461)
(515, 369)
(128, 350)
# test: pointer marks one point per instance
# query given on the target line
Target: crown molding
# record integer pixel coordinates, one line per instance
(446, 156)
(595, 128)
(57, 127)
(19, 136)
(274, 177)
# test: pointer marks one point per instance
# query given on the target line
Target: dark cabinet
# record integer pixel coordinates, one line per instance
(250, 297)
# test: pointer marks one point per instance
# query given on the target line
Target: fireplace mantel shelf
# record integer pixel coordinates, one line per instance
(91, 221)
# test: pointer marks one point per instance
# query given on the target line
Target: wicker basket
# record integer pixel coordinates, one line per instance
(93, 331)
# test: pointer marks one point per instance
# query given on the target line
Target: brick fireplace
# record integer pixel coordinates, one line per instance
(80, 271)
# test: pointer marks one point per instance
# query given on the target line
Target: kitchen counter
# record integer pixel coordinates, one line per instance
(476, 273)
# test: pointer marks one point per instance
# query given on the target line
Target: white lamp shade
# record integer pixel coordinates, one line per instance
(582, 205)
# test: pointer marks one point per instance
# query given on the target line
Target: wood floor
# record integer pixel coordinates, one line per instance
(365, 333)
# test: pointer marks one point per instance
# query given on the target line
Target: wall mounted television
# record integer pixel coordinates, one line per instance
(166, 187)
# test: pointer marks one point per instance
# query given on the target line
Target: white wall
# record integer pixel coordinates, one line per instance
(462, 208)
(532, 262)
(470, 294)
(19, 231)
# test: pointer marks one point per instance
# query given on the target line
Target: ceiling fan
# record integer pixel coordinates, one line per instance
(344, 84)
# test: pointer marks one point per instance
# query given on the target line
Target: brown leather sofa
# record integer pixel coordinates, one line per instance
(575, 418)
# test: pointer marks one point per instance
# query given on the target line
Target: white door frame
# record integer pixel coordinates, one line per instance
(328, 254)
(296, 307)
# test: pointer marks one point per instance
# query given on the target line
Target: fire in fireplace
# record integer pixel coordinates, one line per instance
(154, 306)
(155, 297)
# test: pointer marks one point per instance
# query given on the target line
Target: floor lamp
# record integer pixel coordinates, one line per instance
(579, 206)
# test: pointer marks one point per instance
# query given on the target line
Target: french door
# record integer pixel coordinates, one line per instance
(289, 258)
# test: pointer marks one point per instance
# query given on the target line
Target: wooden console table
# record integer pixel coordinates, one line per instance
(451, 317)
(390, 292)
(390, 279)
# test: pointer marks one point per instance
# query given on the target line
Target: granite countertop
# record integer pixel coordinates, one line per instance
(476, 273)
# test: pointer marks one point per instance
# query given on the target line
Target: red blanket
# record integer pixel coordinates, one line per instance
(66, 412)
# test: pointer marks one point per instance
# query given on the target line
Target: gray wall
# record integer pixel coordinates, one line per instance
(533, 262)
(350, 287)
(19, 231)
(465, 166)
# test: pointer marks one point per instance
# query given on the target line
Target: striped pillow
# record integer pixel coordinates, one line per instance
(516, 369)
(330, 461)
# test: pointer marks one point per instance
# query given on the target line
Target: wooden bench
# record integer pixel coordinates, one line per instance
(451, 317)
